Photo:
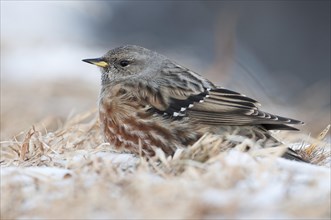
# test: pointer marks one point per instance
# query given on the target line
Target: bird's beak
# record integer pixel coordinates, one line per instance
(97, 61)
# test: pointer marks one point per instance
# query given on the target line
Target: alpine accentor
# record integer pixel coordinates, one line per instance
(147, 101)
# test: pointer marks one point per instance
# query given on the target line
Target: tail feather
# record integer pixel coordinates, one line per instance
(292, 155)
(271, 141)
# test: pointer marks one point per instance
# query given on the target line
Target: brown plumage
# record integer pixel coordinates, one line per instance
(147, 101)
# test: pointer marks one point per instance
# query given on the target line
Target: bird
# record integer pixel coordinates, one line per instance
(148, 101)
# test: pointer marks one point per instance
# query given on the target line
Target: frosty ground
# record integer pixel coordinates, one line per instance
(72, 173)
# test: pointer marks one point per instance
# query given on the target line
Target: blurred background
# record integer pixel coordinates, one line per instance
(277, 52)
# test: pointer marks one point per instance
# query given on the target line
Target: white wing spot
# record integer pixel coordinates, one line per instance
(190, 105)
(250, 112)
(182, 109)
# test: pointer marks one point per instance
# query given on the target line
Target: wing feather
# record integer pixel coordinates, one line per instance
(205, 103)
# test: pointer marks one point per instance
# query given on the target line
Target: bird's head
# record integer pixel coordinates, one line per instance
(125, 62)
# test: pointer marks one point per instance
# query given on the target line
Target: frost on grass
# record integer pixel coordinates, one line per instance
(72, 173)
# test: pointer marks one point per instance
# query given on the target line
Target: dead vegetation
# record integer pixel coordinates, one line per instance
(72, 173)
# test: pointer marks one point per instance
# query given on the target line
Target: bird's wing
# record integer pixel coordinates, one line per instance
(185, 93)
(222, 106)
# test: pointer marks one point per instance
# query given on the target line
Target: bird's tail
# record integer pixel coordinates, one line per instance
(292, 155)
(267, 140)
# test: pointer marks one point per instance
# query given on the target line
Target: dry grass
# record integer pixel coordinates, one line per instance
(71, 173)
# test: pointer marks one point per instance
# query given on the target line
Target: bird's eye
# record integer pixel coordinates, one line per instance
(124, 63)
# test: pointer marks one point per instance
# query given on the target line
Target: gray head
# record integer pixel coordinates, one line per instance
(126, 62)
